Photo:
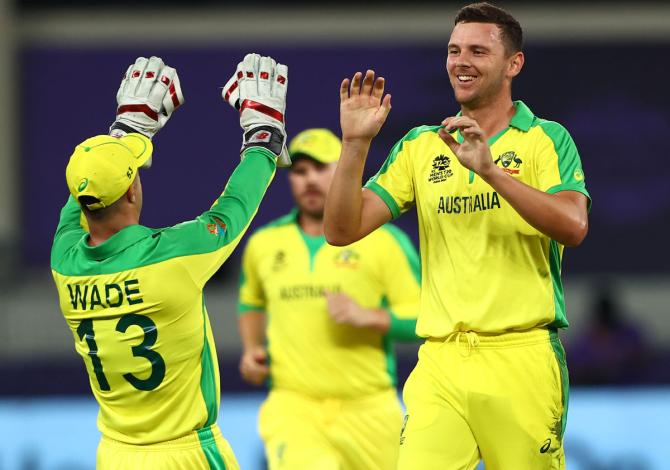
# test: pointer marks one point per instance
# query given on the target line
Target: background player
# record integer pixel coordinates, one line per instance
(133, 295)
(332, 315)
(498, 192)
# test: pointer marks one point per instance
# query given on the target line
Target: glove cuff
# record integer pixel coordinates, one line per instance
(268, 137)
(119, 129)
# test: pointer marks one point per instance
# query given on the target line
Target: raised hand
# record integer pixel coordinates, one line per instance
(362, 109)
(257, 90)
(148, 95)
(474, 153)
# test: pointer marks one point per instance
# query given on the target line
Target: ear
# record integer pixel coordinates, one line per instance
(515, 64)
(131, 194)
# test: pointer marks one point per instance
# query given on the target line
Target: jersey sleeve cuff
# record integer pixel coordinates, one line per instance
(385, 196)
(571, 187)
(243, 308)
(401, 329)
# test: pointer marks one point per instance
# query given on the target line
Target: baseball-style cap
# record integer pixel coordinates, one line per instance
(104, 167)
(319, 144)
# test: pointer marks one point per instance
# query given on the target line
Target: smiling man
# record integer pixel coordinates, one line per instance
(499, 192)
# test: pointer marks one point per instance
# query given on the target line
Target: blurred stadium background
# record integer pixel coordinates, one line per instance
(600, 68)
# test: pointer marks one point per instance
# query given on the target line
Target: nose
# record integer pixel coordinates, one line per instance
(459, 60)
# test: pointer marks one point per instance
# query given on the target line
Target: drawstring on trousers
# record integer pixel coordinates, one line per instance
(471, 338)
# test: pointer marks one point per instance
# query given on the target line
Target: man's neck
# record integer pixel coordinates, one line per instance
(100, 232)
(310, 225)
(493, 116)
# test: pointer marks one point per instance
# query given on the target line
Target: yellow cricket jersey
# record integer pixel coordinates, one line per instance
(135, 307)
(285, 274)
(484, 268)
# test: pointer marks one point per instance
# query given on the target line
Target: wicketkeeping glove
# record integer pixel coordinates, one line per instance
(148, 95)
(258, 91)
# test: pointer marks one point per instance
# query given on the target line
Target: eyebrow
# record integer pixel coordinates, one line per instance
(469, 46)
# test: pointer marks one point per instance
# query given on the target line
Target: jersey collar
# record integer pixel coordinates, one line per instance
(523, 116)
(116, 243)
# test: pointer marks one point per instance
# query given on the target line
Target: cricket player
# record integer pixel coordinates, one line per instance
(499, 192)
(133, 296)
(319, 323)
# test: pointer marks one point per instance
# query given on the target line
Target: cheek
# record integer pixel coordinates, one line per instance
(296, 183)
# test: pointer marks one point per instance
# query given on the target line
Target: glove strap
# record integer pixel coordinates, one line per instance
(268, 137)
(119, 129)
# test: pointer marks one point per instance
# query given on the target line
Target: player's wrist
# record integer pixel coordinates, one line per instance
(490, 173)
(120, 129)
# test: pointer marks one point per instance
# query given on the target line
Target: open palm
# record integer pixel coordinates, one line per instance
(362, 109)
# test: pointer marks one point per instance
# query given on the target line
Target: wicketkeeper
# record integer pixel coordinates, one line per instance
(132, 295)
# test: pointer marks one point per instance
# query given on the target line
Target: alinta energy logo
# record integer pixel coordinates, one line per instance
(440, 170)
(347, 258)
(506, 159)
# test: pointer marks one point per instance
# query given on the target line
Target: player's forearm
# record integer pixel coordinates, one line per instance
(560, 218)
(244, 191)
(378, 320)
(252, 329)
(342, 217)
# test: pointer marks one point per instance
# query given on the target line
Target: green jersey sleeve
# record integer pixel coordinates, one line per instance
(251, 293)
(559, 164)
(402, 280)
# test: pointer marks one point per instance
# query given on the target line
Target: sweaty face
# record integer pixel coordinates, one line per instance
(309, 182)
(477, 63)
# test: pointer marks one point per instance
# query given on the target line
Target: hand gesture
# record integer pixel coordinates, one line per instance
(257, 90)
(474, 153)
(362, 109)
(148, 95)
(345, 311)
(253, 365)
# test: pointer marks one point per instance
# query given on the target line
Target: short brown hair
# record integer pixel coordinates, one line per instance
(483, 12)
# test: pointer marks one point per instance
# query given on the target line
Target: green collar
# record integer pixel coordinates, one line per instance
(523, 117)
(116, 243)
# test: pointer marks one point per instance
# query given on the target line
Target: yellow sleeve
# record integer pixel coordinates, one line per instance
(394, 182)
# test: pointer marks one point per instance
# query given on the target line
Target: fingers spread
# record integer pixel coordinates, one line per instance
(344, 89)
(378, 89)
(385, 108)
(356, 84)
(368, 81)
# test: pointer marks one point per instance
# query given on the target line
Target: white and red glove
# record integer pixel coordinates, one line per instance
(148, 95)
(258, 91)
